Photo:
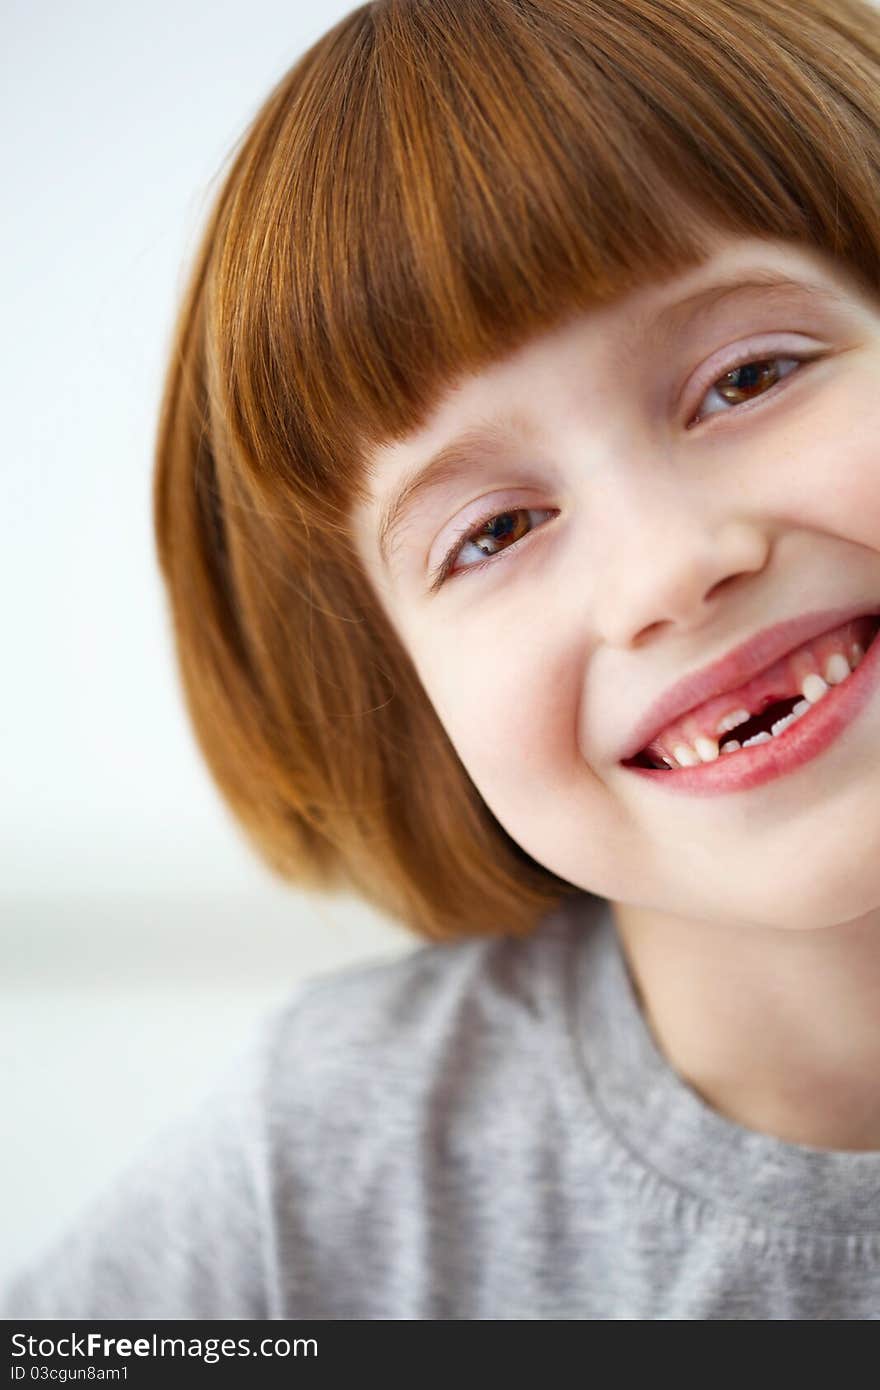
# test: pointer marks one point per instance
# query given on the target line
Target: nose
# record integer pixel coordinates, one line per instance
(677, 563)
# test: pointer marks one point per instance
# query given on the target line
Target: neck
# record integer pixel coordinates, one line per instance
(776, 1030)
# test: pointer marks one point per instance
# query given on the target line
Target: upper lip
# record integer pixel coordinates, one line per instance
(735, 668)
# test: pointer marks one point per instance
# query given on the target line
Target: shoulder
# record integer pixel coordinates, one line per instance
(409, 1005)
(370, 1088)
(383, 1032)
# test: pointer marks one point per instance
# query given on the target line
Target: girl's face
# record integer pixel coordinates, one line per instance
(620, 513)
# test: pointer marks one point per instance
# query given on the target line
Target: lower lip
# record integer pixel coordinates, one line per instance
(800, 743)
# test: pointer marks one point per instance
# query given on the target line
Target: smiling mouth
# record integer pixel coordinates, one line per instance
(766, 706)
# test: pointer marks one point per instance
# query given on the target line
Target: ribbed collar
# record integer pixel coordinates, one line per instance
(659, 1118)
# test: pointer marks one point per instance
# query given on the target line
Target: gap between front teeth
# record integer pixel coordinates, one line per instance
(813, 688)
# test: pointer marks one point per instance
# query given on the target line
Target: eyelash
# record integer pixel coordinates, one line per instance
(442, 573)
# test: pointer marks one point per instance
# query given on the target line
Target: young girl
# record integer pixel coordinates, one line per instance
(518, 500)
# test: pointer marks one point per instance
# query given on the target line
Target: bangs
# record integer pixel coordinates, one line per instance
(435, 182)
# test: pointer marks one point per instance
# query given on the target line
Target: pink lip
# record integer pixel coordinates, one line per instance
(737, 667)
(800, 743)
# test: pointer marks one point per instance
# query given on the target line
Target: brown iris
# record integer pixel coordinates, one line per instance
(733, 386)
(506, 526)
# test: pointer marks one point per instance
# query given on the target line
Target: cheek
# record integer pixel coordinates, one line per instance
(823, 474)
(843, 489)
(510, 710)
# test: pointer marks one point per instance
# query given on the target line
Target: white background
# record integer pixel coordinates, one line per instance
(140, 939)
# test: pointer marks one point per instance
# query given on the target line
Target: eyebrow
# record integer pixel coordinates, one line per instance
(454, 460)
(458, 457)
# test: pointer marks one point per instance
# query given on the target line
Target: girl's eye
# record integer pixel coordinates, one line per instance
(750, 380)
(747, 381)
(504, 529)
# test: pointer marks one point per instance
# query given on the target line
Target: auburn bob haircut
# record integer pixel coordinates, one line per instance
(432, 183)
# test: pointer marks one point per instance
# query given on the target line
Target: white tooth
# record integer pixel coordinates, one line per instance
(836, 668)
(731, 745)
(730, 721)
(762, 737)
(801, 707)
(685, 755)
(707, 748)
(813, 688)
(783, 723)
(856, 653)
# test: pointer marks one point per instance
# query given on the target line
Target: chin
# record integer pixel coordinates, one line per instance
(829, 904)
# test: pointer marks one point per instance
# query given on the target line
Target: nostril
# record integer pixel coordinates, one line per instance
(724, 584)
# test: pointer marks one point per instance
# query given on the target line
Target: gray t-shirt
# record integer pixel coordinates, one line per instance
(477, 1130)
